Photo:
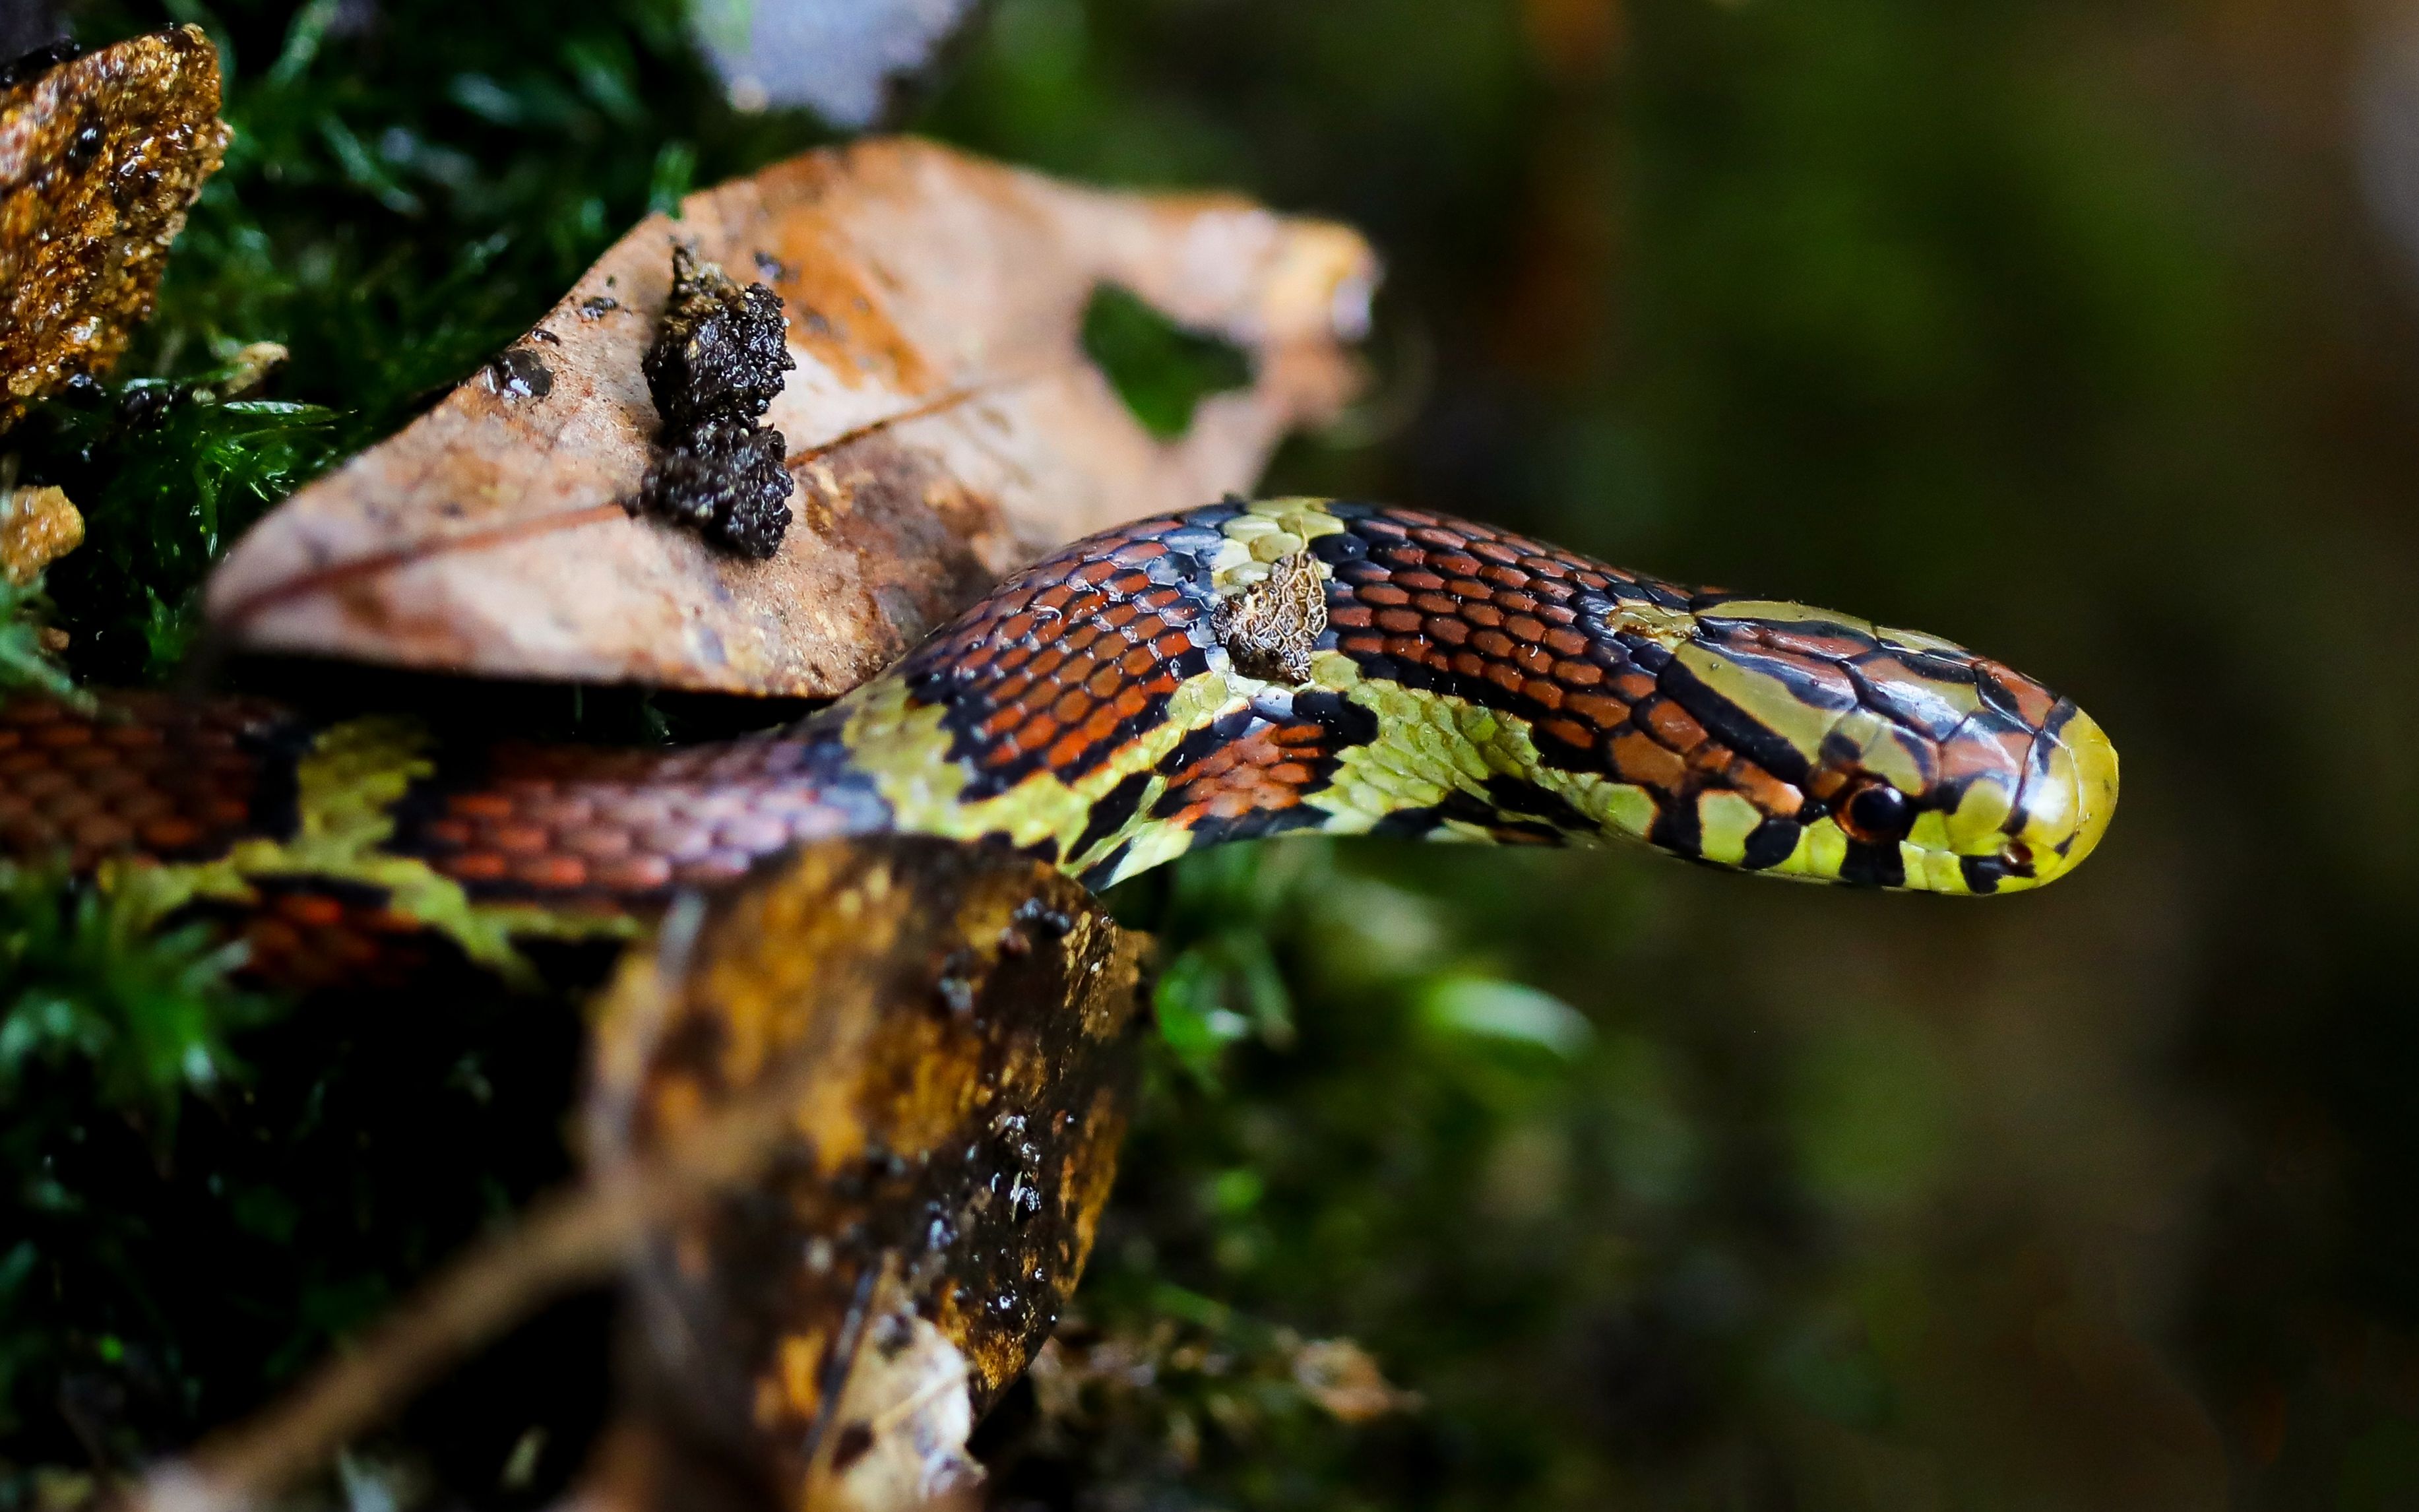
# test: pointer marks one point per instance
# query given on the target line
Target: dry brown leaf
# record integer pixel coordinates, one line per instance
(943, 426)
(99, 157)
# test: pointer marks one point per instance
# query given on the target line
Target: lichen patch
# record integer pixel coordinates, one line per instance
(1271, 628)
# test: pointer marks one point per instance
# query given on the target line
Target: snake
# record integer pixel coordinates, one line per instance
(1242, 669)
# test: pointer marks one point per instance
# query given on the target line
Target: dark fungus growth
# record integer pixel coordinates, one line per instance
(714, 370)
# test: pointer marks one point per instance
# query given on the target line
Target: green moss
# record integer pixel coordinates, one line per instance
(27, 665)
(1161, 369)
(85, 978)
(167, 474)
(102, 1021)
(204, 1188)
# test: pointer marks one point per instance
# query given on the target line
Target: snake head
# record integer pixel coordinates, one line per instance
(1922, 764)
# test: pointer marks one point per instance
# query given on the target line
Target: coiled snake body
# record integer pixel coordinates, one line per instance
(1226, 672)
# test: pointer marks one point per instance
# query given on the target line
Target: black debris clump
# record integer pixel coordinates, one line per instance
(722, 352)
(714, 370)
(727, 481)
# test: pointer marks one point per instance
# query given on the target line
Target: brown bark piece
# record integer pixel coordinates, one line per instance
(966, 1015)
(943, 426)
(99, 159)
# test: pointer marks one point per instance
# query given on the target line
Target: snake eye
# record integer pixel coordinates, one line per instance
(1876, 814)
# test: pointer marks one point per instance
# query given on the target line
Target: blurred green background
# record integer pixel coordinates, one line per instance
(2077, 333)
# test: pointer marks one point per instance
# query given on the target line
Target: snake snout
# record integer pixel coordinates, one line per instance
(2068, 797)
(1981, 781)
(2026, 825)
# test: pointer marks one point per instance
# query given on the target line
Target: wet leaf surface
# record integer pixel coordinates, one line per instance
(838, 1326)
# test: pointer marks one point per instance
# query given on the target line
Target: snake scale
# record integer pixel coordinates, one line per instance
(1230, 671)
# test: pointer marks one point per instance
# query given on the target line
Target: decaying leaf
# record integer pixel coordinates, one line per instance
(943, 425)
(100, 158)
(839, 1327)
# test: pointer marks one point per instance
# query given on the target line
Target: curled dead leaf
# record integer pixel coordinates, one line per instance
(943, 426)
(100, 158)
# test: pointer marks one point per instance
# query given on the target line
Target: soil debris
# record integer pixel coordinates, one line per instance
(714, 368)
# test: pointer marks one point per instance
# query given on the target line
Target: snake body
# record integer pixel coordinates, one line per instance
(1226, 673)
